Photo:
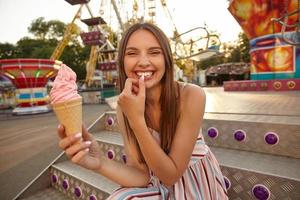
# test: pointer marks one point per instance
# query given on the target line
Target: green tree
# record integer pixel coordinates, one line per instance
(215, 60)
(7, 51)
(34, 48)
(231, 52)
(244, 47)
(39, 28)
(239, 52)
(46, 36)
(42, 29)
(56, 29)
(75, 56)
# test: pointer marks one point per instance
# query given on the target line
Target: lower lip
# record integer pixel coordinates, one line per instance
(147, 78)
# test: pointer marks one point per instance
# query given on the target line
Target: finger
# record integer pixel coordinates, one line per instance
(142, 87)
(61, 131)
(68, 141)
(128, 86)
(135, 89)
(74, 149)
(129, 83)
(85, 134)
(78, 157)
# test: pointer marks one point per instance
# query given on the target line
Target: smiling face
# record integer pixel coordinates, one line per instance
(144, 57)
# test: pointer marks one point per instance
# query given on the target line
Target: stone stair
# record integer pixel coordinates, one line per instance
(259, 158)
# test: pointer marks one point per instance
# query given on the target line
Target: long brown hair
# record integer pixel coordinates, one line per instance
(169, 99)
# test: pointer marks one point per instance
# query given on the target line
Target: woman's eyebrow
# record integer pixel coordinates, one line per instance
(155, 48)
(131, 48)
(151, 48)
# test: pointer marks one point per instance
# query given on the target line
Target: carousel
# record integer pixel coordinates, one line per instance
(30, 78)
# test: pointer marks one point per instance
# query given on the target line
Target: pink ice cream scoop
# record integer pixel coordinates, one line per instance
(64, 86)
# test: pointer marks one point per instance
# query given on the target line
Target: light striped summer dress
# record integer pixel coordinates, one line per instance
(202, 180)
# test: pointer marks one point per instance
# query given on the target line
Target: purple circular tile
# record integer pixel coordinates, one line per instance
(124, 158)
(271, 138)
(227, 182)
(110, 121)
(239, 135)
(110, 154)
(77, 191)
(261, 192)
(92, 197)
(65, 184)
(54, 178)
(212, 132)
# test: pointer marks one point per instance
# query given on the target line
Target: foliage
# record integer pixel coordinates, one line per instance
(7, 51)
(76, 57)
(244, 47)
(202, 65)
(46, 36)
(238, 52)
(42, 29)
(34, 48)
(112, 36)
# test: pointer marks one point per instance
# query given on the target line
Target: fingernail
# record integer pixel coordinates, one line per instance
(88, 143)
(78, 135)
(142, 78)
(58, 126)
(87, 150)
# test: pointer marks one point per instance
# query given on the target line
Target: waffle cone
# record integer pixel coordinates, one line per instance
(69, 114)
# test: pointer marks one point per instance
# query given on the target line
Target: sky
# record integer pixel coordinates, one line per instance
(17, 15)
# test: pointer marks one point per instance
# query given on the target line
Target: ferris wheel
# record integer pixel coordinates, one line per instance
(194, 44)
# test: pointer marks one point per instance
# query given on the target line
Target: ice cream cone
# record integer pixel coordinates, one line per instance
(69, 114)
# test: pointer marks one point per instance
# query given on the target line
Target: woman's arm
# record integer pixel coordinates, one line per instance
(169, 168)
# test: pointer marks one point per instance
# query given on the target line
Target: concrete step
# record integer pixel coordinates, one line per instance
(282, 133)
(280, 166)
(279, 176)
(275, 135)
(48, 194)
(79, 183)
(111, 144)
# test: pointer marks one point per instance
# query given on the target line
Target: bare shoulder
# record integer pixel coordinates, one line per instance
(192, 95)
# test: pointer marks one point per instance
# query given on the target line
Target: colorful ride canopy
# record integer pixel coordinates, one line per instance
(28, 73)
(30, 77)
(272, 28)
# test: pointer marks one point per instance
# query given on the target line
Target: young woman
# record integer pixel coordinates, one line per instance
(160, 121)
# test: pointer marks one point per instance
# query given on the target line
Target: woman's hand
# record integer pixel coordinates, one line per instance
(132, 99)
(81, 148)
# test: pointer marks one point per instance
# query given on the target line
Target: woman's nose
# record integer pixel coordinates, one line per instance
(144, 61)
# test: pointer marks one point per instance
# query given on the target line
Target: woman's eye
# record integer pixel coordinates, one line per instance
(131, 53)
(155, 52)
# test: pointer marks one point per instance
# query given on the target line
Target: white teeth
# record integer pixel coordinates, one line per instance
(145, 74)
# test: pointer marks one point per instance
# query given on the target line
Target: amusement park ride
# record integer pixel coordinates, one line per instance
(31, 95)
(273, 31)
